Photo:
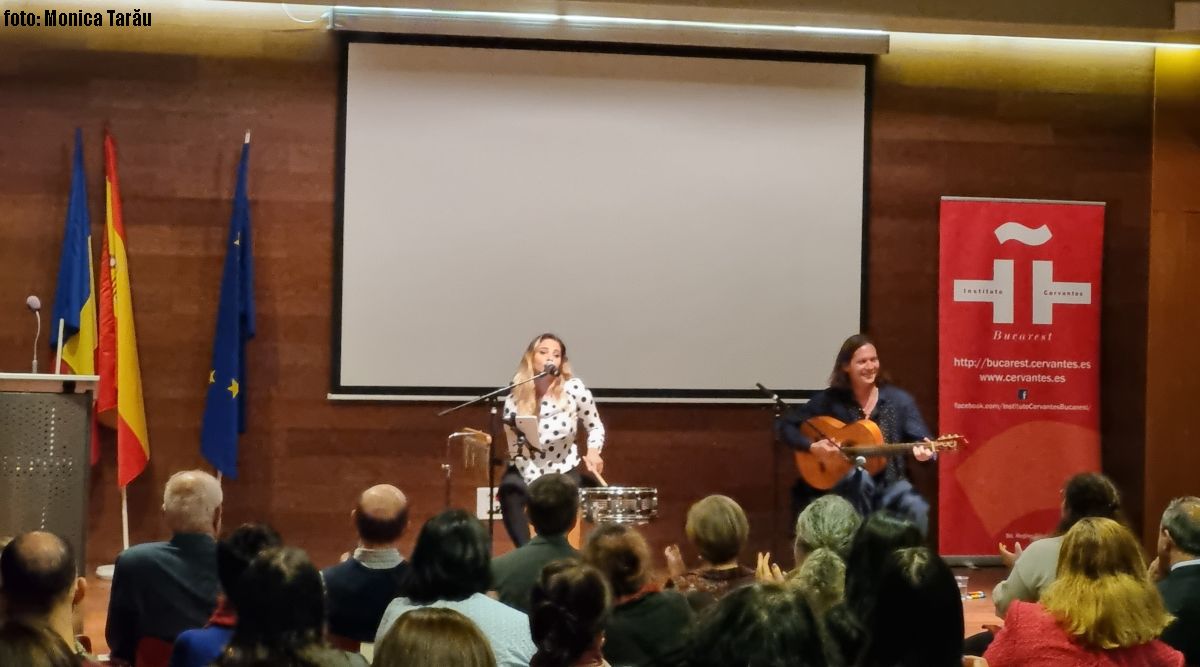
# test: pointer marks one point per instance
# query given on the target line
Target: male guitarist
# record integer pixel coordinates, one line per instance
(857, 391)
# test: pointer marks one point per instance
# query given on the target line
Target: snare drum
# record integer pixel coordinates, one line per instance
(633, 505)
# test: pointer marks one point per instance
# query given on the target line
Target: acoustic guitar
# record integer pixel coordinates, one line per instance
(863, 439)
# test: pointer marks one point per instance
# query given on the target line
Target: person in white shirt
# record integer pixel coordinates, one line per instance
(451, 569)
(561, 402)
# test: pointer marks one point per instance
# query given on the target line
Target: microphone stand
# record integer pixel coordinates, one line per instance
(780, 406)
(493, 460)
(36, 336)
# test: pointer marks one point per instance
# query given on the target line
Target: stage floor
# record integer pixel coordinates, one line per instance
(976, 612)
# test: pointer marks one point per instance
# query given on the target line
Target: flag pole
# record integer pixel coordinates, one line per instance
(62, 323)
(124, 518)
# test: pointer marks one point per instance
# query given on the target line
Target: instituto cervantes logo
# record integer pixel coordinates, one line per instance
(999, 290)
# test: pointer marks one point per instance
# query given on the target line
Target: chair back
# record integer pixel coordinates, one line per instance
(153, 652)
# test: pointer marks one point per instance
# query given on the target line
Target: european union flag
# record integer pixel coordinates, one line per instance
(225, 403)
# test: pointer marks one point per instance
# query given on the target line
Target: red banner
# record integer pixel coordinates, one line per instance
(1018, 365)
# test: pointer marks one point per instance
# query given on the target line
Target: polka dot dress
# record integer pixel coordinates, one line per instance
(557, 425)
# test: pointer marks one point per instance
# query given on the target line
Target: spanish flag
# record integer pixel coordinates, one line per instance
(119, 397)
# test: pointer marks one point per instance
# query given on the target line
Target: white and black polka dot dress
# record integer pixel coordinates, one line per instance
(557, 428)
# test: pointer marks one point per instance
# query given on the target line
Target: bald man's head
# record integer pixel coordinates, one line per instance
(381, 515)
(38, 572)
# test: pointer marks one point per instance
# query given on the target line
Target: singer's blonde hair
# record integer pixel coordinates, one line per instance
(524, 396)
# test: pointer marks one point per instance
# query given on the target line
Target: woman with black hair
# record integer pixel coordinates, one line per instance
(762, 625)
(281, 616)
(451, 568)
(199, 647)
(880, 536)
(917, 618)
(571, 603)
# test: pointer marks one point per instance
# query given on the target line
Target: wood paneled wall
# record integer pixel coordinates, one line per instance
(1071, 127)
(1172, 358)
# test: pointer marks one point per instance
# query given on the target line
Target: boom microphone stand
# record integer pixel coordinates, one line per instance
(493, 460)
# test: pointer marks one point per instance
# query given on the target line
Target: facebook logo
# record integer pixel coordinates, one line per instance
(1022, 394)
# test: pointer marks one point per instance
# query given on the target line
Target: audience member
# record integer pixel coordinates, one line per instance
(917, 618)
(34, 645)
(281, 616)
(762, 625)
(434, 636)
(881, 535)
(718, 528)
(161, 589)
(571, 604)
(821, 578)
(201, 646)
(1084, 495)
(361, 587)
(647, 623)
(1177, 571)
(829, 522)
(40, 586)
(553, 509)
(450, 568)
(1100, 610)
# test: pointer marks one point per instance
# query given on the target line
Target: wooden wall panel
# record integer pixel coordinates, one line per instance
(179, 120)
(1172, 358)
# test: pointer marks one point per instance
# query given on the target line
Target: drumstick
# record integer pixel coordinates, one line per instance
(600, 477)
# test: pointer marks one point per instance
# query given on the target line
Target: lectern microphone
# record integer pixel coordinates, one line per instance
(34, 304)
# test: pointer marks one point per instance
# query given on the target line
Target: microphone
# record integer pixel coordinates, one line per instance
(550, 369)
(34, 304)
(779, 404)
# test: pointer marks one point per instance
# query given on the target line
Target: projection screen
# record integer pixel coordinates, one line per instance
(688, 225)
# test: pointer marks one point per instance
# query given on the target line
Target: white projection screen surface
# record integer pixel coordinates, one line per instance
(688, 225)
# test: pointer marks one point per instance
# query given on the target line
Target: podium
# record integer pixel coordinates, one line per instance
(45, 440)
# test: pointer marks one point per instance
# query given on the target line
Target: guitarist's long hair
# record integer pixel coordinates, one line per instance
(839, 379)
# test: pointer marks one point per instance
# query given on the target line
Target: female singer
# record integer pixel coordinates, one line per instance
(857, 390)
(560, 401)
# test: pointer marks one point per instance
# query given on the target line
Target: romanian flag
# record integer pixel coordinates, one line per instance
(225, 402)
(119, 397)
(75, 296)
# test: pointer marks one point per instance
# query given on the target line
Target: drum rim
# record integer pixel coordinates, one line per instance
(617, 490)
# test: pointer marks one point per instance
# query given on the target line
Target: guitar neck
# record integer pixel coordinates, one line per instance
(881, 450)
